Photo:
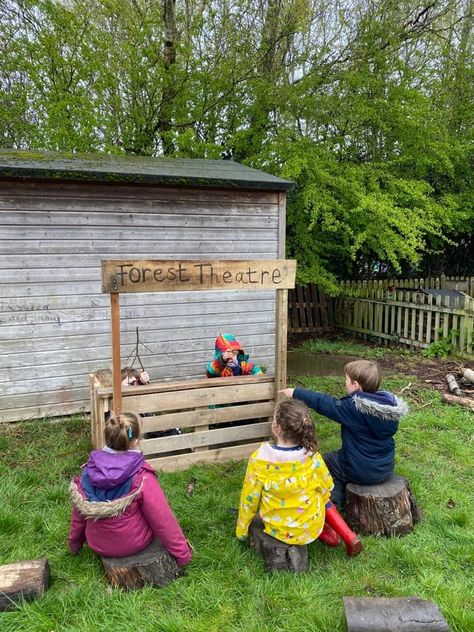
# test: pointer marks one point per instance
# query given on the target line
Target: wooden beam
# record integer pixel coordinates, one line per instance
(116, 368)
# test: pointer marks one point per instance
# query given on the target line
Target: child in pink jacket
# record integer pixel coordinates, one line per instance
(118, 506)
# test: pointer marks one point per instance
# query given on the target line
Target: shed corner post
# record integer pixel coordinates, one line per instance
(281, 338)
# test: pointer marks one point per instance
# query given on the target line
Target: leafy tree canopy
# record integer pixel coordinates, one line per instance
(366, 106)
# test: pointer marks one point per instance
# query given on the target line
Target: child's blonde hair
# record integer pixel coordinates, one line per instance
(295, 421)
(366, 373)
(121, 429)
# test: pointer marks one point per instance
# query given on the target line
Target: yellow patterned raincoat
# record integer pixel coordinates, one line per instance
(290, 494)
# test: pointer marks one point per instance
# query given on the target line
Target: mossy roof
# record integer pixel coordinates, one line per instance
(28, 165)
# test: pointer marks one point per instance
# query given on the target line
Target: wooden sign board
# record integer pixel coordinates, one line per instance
(182, 276)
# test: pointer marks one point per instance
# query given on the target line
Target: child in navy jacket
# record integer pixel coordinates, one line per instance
(369, 419)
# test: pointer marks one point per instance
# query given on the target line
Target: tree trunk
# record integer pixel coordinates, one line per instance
(387, 509)
(154, 566)
(23, 580)
(277, 555)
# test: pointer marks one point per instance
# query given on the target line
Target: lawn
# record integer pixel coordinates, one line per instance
(225, 587)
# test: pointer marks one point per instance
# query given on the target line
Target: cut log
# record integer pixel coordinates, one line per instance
(469, 375)
(153, 566)
(277, 555)
(404, 614)
(387, 509)
(460, 401)
(453, 385)
(27, 580)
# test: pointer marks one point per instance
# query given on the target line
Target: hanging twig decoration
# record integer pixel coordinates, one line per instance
(135, 353)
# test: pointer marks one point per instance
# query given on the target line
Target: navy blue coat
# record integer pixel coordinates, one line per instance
(368, 423)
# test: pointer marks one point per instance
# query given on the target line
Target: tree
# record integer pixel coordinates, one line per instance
(366, 106)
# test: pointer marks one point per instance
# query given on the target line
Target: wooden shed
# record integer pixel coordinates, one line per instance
(61, 215)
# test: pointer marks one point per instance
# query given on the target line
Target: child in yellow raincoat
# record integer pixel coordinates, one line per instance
(288, 483)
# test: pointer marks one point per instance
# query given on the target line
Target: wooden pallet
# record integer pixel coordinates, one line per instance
(192, 406)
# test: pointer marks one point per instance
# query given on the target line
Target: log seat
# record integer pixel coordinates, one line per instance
(387, 509)
(152, 566)
(26, 580)
(277, 555)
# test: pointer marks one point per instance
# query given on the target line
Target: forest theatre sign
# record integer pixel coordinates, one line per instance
(181, 276)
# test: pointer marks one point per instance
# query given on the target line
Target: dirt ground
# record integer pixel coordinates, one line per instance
(429, 371)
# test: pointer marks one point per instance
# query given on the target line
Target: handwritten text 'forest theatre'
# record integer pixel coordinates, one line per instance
(202, 273)
(168, 275)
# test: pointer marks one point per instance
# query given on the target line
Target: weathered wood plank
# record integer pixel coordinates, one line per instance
(200, 397)
(147, 248)
(207, 416)
(219, 455)
(190, 275)
(204, 438)
(134, 193)
(57, 214)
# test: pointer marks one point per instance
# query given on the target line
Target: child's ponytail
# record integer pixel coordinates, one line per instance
(121, 429)
(295, 421)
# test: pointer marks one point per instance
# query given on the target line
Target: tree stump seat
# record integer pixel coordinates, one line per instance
(152, 566)
(277, 555)
(26, 580)
(387, 509)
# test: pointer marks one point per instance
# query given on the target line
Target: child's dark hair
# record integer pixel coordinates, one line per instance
(366, 373)
(295, 421)
(129, 372)
(121, 429)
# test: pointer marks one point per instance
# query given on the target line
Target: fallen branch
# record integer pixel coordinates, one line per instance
(405, 388)
(453, 385)
(460, 401)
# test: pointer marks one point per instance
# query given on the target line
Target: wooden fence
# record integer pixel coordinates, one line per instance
(309, 310)
(384, 311)
(462, 284)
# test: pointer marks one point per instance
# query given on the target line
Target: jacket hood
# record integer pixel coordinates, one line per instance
(107, 470)
(226, 342)
(293, 474)
(381, 404)
(97, 510)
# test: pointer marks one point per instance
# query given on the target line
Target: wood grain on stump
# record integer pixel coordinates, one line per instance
(386, 509)
(153, 566)
(404, 614)
(27, 580)
(277, 555)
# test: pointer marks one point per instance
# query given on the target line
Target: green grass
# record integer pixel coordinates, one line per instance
(345, 346)
(225, 587)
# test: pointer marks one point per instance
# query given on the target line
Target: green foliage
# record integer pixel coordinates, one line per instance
(442, 348)
(367, 107)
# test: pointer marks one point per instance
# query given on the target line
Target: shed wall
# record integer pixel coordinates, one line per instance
(54, 320)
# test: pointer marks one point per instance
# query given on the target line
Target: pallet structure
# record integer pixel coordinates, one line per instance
(219, 418)
(186, 405)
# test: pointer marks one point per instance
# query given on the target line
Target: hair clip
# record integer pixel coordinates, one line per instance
(130, 433)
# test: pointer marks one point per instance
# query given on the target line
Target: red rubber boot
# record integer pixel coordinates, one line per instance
(329, 536)
(340, 526)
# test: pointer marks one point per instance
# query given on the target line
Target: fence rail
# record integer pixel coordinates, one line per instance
(463, 284)
(406, 316)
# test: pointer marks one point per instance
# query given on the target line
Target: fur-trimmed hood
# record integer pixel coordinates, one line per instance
(94, 509)
(382, 404)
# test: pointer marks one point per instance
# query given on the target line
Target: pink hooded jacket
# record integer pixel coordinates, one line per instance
(118, 507)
